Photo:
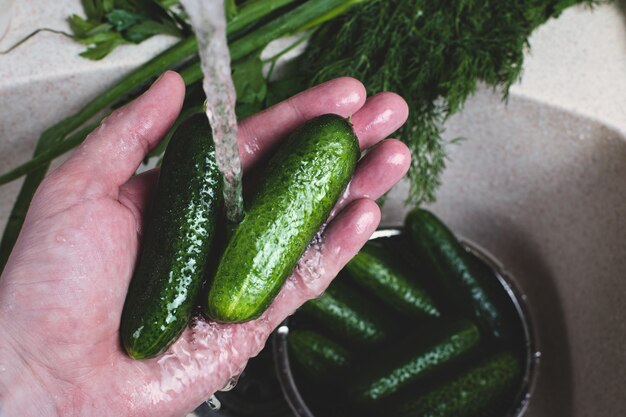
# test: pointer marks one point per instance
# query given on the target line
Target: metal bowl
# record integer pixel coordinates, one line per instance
(533, 354)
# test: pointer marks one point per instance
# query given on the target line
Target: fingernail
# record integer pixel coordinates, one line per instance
(159, 79)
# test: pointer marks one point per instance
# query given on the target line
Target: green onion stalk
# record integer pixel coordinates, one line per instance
(53, 142)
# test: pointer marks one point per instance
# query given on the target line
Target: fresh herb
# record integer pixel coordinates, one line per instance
(434, 53)
(110, 23)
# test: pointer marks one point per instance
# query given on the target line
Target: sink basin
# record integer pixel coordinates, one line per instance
(544, 191)
(541, 188)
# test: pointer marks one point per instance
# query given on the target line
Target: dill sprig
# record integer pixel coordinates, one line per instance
(433, 53)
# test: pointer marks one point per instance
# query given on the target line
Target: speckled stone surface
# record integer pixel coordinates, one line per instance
(544, 191)
(45, 80)
(540, 182)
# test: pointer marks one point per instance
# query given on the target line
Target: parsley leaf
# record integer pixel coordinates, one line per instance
(110, 23)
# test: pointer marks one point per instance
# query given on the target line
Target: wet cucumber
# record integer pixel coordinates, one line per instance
(176, 244)
(409, 362)
(484, 388)
(348, 315)
(320, 357)
(372, 269)
(305, 179)
(460, 274)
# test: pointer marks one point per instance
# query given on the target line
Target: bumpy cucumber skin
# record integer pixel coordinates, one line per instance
(347, 315)
(482, 390)
(403, 365)
(372, 270)
(320, 357)
(176, 243)
(305, 179)
(461, 275)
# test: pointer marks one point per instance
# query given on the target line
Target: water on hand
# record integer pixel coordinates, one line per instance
(208, 352)
(209, 24)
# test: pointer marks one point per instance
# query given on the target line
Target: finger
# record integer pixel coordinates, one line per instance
(377, 173)
(343, 238)
(381, 115)
(258, 134)
(112, 153)
(208, 354)
(137, 193)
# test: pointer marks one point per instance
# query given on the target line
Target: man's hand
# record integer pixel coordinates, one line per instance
(64, 286)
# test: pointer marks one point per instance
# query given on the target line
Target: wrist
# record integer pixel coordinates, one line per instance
(22, 389)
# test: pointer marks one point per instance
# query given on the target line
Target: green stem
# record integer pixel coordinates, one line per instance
(330, 14)
(47, 156)
(189, 75)
(180, 51)
(33, 33)
(287, 24)
(255, 10)
(192, 73)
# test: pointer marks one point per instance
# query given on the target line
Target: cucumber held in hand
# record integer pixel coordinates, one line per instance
(372, 269)
(348, 315)
(320, 357)
(176, 244)
(409, 361)
(305, 179)
(476, 291)
(488, 387)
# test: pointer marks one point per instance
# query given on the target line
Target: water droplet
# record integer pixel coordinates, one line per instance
(230, 384)
(213, 403)
(537, 355)
(283, 330)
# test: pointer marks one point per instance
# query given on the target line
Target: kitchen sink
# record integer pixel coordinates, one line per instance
(540, 183)
(544, 191)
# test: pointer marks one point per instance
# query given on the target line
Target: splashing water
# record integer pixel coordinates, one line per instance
(209, 24)
(213, 403)
(210, 356)
(231, 384)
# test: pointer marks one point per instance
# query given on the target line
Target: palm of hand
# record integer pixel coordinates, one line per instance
(62, 292)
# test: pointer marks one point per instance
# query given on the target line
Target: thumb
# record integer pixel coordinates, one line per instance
(110, 155)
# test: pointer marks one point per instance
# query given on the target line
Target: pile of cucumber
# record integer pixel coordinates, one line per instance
(414, 326)
(179, 271)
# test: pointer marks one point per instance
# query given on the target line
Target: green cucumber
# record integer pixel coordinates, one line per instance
(177, 241)
(466, 282)
(348, 315)
(305, 179)
(373, 269)
(488, 387)
(408, 362)
(320, 357)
